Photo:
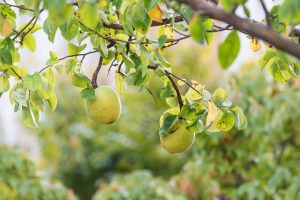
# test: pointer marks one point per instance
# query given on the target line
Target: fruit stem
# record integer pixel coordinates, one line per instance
(95, 74)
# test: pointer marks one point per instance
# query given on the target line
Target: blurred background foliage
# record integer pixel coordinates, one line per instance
(19, 179)
(125, 160)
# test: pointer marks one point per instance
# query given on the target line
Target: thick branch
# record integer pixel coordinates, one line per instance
(243, 25)
(95, 74)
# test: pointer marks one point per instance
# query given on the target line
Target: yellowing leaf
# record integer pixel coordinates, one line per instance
(4, 84)
(6, 28)
(166, 30)
(213, 112)
(155, 14)
(120, 83)
(255, 45)
(180, 82)
(172, 101)
(193, 95)
(29, 42)
(52, 100)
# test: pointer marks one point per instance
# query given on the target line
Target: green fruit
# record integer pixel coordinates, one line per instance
(106, 107)
(179, 138)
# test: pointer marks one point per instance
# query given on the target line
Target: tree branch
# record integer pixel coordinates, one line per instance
(69, 56)
(95, 74)
(15, 6)
(253, 29)
(180, 102)
(20, 77)
(23, 29)
(154, 23)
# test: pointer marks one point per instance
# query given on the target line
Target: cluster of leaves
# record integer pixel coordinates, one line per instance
(137, 185)
(18, 179)
(201, 110)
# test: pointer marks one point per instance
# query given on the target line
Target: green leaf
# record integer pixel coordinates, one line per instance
(229, 50)
(32, 82)
(241, 119)
(166, 91)
(198, 28)
(8, 12)
(246, 11)
(4, 84)
(139, 17)
(31, 30)
(70, 65)
(52, 100)
(69, 29)
(168, 121)
(88, 93)
(36, 101)
(74, 49)
(6, 57)
(196, 127)
(228, 4)
(278, 69)
(89, 14)
(163, 62)
(103, 47)
(162, 40)
(29, 42)
(80, 80)
(50, 29)
(20, 96)
(149, 4)
(193, 95)
(289, 11)
(53, 59)
(30, 118)
(120, 83)
(226, 122)
(127, 60)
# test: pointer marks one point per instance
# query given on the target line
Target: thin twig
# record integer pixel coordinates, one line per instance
(25, 33)
(12, 69)
(69, 56)
(21, 31)
(120, 66)
(111, 65)
(177, 19)
(151, 93)
(266, 12)
(187, 83)
(180, 102)
(16, 6)
(4, 72)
